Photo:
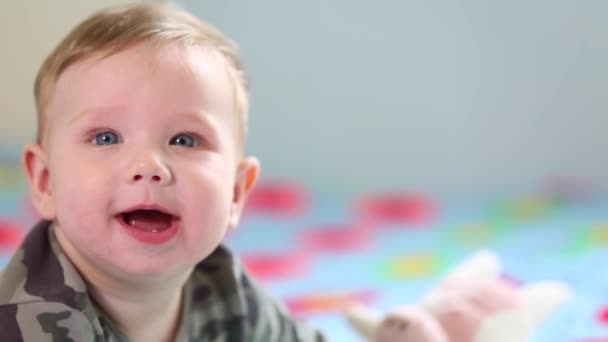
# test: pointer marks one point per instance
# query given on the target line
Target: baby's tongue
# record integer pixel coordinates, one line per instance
(148, 220)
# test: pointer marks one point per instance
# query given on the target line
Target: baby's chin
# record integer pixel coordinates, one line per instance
(142, 268)
(121, 258)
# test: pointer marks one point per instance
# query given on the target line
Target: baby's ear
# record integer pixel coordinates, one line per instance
(246, 177)
(35, 163)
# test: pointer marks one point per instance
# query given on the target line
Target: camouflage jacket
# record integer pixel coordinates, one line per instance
(43, 298)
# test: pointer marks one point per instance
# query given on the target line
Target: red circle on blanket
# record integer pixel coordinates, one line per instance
(11, 234)
(397, 208)
(329, 303)
(337, 237)
(602, 315)
(278, 198)
(272, 266)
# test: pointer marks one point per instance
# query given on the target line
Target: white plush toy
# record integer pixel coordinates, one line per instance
(474, 303)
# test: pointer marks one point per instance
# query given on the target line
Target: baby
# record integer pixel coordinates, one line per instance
(138, 172)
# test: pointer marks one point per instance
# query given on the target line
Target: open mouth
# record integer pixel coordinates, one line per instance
(148, 220)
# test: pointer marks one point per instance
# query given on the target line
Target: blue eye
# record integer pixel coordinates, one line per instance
(105, 138)
(184, 140)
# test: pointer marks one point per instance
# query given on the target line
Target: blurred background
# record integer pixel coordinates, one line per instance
(409, 133)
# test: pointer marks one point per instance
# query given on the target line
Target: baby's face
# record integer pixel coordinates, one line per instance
(143, 159)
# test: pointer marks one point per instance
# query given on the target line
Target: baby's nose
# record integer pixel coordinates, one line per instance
(149, 170)
(154, 178)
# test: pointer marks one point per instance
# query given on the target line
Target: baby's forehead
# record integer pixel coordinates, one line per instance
(192, 67)
(167, 76)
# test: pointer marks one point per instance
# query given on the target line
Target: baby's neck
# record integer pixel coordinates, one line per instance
(153, 316)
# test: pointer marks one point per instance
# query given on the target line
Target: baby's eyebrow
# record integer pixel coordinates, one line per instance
(95, 111)
(200, 120)
(196, 118)
(201, 117)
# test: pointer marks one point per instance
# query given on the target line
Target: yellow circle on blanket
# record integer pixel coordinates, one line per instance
(589, 238)
(530, 207)
(476, 234)
(598, 235)
(413, 266)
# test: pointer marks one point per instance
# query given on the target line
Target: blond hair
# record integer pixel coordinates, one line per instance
(111, 30)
